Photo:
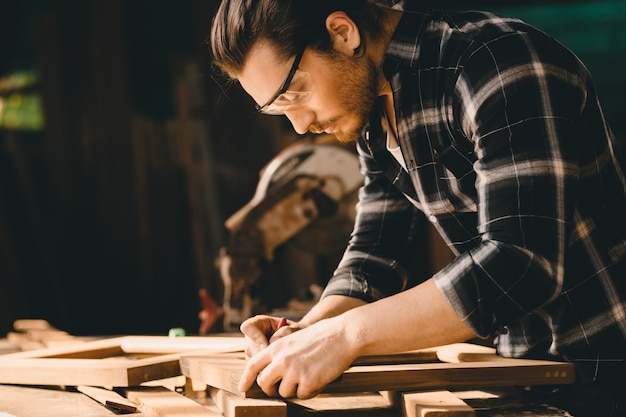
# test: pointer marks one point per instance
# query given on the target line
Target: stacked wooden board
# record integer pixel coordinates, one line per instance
(120, 361)
(115, 371)
(465, 366)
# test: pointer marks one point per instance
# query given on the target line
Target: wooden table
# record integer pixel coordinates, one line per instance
(55, 401)
(25, 401)
(50, 402)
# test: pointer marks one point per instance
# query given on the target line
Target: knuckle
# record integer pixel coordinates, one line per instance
(307, 391)
(286, 392)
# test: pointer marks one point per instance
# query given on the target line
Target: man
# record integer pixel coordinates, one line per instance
(483, 125)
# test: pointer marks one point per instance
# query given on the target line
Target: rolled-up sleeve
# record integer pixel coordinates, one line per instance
(383, 243)
(520, 103)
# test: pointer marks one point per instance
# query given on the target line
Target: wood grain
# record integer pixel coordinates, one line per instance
(106, 363)
(22, 401)
(358, 404)
(435, 404)
(467, 352)
(236, 406)
(225, 374)
(161, 402)
(110, 399)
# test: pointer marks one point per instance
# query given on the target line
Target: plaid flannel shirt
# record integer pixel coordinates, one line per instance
(508, 154)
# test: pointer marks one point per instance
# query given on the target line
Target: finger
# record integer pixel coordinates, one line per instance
(253, 368)
(251, 348)
(255, 329)
(282, 332)
(286, 388)
(269, 381)
(304, 391)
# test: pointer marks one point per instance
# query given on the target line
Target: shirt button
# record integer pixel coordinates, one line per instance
(432, 218)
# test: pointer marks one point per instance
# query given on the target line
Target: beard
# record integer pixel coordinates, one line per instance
(358, 89)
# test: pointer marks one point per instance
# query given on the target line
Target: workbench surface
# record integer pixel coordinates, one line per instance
(56, 401)
(24, 401)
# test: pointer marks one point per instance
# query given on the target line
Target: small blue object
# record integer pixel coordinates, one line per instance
(176, 332)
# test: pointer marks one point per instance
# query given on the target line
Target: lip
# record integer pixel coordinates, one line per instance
(330, 129)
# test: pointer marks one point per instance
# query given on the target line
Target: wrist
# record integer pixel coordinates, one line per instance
(355, 333)
(330, 306)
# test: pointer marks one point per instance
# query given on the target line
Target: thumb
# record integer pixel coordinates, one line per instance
(256, 331)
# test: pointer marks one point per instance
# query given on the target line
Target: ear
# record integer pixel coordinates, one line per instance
(344, 33)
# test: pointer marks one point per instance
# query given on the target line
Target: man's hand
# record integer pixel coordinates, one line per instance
(302, 363)
(296, 364)
(261, 330)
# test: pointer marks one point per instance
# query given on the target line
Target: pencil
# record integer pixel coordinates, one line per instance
(281, 323)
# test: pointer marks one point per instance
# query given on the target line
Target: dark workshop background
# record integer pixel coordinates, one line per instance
(121, 157)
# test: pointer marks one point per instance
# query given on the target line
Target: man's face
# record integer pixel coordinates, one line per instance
(342, 89)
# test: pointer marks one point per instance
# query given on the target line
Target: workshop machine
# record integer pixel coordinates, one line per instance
(307, 195)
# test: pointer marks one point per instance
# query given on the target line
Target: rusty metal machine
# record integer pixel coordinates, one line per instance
(306, 193)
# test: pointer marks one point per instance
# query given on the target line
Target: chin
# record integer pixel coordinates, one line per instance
(349, 134)
(346, 137)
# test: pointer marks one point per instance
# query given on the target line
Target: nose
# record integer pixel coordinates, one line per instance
(301, 119)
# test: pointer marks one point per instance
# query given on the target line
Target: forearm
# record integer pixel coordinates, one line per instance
(309, 359)
(414, 319)
(330, 306)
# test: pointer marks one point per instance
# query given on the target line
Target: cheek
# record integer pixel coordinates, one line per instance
(329, 101)
(327, 89)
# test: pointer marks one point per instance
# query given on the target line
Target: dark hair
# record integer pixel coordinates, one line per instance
(287, 24)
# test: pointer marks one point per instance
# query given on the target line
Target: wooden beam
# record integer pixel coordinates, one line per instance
(235, 406)
(130, 360)
(404, 377)
(435, 404)
(161, 402)
(354, 404)
(467, 352)
(225, 374)
(110, 399)
(411, 356)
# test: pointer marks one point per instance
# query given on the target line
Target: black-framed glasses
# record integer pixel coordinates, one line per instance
(289, 96)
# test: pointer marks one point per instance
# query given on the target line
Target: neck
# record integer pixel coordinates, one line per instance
(390, 18)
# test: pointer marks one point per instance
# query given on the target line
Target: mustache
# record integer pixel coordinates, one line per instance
(318, 128)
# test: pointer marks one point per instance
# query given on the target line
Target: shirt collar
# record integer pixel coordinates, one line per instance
(404, 46)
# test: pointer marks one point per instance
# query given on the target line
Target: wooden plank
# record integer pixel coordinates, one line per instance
(40, 339)
(411, 356)
(96, 349)
(340, 405)
(83, 364)
(500, 402)
(435, 404)
(22, 342)
(97, 372)
(21, 401)
(467, 352)
(398, 377)
(32, 334)
(235, 406)
(110, 399)
(215, 372)
(23, 325)
(407, 377)
(161, 402)
(158, 344)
